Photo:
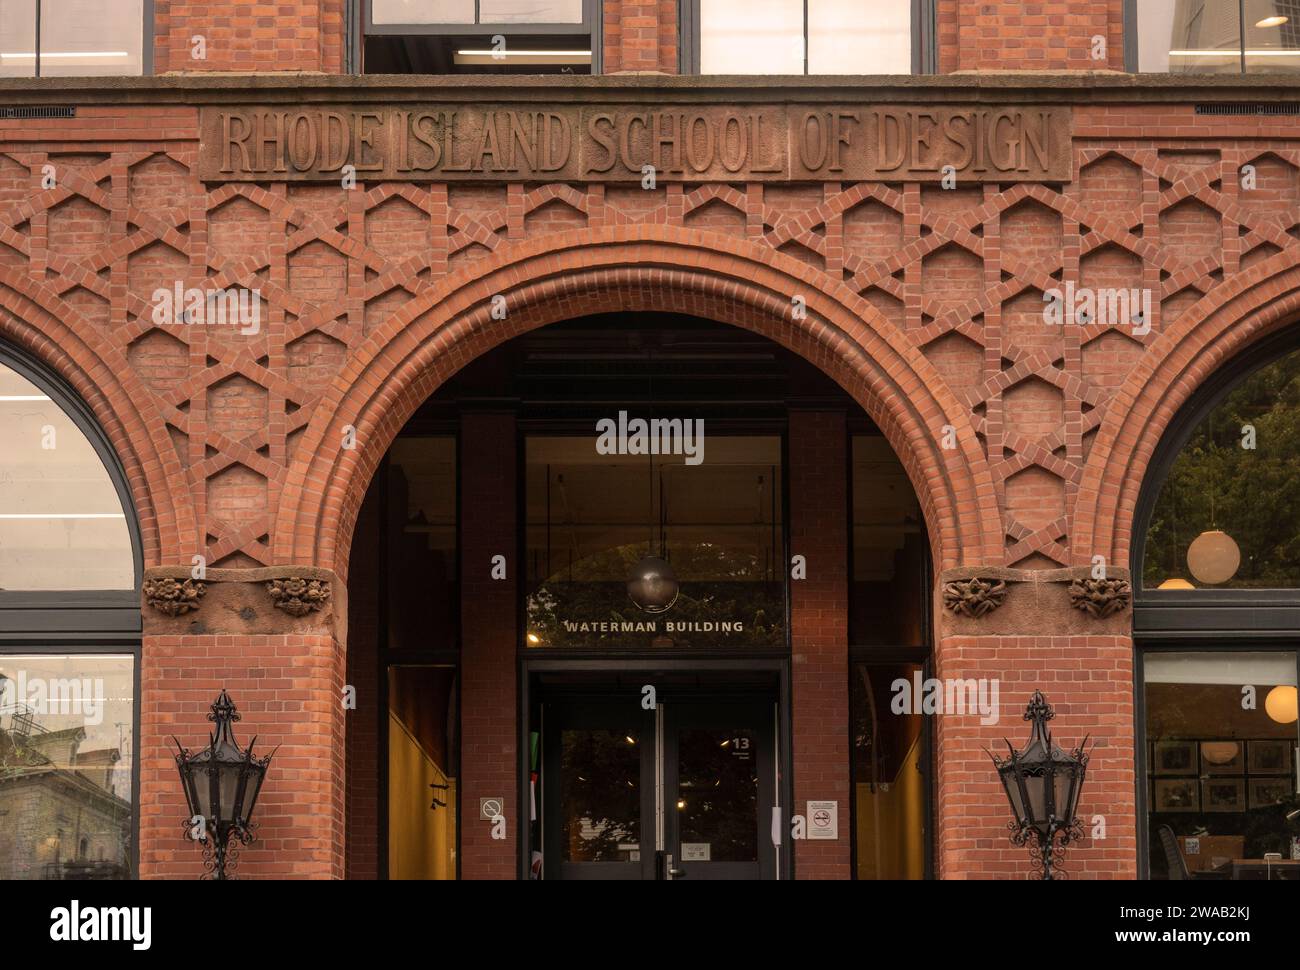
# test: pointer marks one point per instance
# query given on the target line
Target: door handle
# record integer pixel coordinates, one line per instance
(668, 868)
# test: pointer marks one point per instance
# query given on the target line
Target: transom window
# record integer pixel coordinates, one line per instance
(1216, 36)
(73, 38)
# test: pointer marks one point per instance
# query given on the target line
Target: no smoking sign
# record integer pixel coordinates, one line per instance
(823, 820)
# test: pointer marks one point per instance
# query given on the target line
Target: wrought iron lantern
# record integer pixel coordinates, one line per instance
(1042, 783)
(221, 785)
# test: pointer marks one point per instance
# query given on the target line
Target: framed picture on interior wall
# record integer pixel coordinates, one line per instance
(1223, 794)
(1223, 757)
(1269, 757)
(1267, 792)
(1174, 795)
(1175, 758)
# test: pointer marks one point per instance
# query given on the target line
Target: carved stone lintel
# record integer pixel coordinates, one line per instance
(299, 596)
(1100, 597)
(174, 597)
(974, 597)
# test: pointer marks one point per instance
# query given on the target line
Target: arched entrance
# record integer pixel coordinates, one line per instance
(536, 716)
(635, 268)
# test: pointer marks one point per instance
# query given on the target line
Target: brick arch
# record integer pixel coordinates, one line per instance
(626, 268)
(56, 334)
(1221, 325)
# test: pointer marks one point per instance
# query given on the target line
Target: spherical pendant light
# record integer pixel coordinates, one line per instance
(1220, 752)
(1213, 557)
(1177, 582)
(653, 585)
(1280, 705)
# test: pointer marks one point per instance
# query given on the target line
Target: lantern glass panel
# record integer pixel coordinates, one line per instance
(229, 786)
(1036, 788)
(1009, 782)
(1064, 778)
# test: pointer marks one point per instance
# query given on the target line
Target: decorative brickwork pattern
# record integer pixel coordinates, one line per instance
(213, 422)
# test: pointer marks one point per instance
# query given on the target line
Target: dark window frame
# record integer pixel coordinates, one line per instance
(146, 40)
(1177, 644)
(1205, 620)
(590, 15)
(925, 56)
(1248, 613)
(90, 622)
(1131, 52)
(591, 25)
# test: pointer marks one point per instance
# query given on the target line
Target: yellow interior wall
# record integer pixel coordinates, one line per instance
(421, 840)
(900, 837)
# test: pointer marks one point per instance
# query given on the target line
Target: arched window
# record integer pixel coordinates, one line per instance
(1216, 622)
(70, 567)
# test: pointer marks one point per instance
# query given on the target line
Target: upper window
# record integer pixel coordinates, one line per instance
(1228, 513)
(805, 36)
(62, 521)
(1217, 36)
(72, 38)
(481, 37)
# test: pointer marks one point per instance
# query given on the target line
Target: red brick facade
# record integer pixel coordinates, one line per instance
(924, 304)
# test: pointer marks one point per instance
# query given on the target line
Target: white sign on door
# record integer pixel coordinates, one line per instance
(823, 820)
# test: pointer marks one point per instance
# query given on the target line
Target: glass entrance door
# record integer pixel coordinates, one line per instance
(684, 791)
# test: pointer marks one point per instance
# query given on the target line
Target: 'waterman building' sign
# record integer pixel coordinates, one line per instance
(617, 143)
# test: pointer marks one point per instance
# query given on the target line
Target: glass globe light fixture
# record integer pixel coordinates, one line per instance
(653, 585)
(1280, 704)
(1213, 557)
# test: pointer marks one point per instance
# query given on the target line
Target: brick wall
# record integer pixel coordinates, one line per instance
(1010, 35)
(489, 726)
(1089, 683)
(297, 35)
(288, 692)
(640, 35)
(819, 633)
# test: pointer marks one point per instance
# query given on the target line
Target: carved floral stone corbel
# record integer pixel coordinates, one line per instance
(974, 597)
(173, 597)
(1100, 597)
(298, 596)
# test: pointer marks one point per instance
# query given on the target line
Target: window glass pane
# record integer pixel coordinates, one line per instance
(422, 11)
(1272, 35)
(18, 38)
(851, 37)
(61, 523)
(888, 595)
(530, 11)
(717, 792)
(423, 766)
(751, 36)
(422, 590)
(1221, 763)
(1189, 36)
(593, 517)
(91, 38)
(1228, 515)
(888, 761)
(66, 751)
(600, 795)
